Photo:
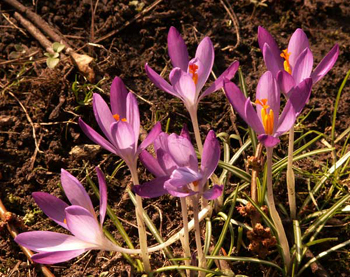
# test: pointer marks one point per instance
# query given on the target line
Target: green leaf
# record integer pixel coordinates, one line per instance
(57, 47)
(52, 62)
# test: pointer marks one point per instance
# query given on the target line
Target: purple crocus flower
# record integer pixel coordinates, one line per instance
(189, 76)
(176, 167)
(79, 218)
(121, 126)
(294, 64)
(265, 120)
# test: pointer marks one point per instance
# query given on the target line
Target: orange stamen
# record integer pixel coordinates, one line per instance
(267, 116)
(116, 117)
(65, 221)
(192, 68)
(124, 120)
(285, 55)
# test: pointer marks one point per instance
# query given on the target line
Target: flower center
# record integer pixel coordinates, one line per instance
(117, 118)
(192, 68)
(285, 55)
(65, 221)
(267, 116)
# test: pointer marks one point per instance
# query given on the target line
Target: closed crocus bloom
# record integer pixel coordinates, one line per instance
(79, 218)
(294, 64)
(120, 124)
(265, 120)
(188, 77)
(176, 167)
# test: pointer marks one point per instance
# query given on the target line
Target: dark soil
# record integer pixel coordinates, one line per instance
(53, 109)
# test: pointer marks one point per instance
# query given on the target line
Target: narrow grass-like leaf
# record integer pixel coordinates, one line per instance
(318, 241)
(235, 171)
(194, 268)
(208, 231)
(322, 254)
(298, 242)
(233, 221)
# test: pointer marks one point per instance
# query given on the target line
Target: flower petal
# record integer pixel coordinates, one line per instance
(133, 114)
(300, 95)
(159, 82)
(303, 66)
(268, 141)
(219, 82)
(297, 44)
(214, 192)
(46, 241)
(118, 97)
(182, 151)
(235, 97)
(272, 63)
(56, 257)
(285, 81)
(166, 161)
(287, 119)
(97, 138)
(183, 176)
(184, 132)
(205, 54)
(152, 189)
(125, 140)
(75, 191)
(177, 49)
(326, 64)
(184, 86)
(152, 135)
(252, 118)
(52, 206)
(210, 156)
(103, 194)
(83, 225)
(264, 37)
(151, 164)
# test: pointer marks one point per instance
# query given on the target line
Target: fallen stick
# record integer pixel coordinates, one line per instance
(13, 232)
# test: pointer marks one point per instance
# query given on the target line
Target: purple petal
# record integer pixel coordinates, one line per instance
(268, 141)
(300, 95)
(219, 82)
(46, 241)
(125, 140)
(152, 189)
(210, 156)
(184, 86)
(205, 54)
(151, 164)
(285, 81)
(51, 206)
(235, 97)
(177, 49)
(161, 142)
(297, 44)
(83, 225)
(96, 137)
(166, 161)
(326, 64)
(152, 135)
(118, 97)
(133, 114)
(272, 63)
(159, 82)
(264, 37)
(75, 191)
(184, 132)
(303, 66)
(214, 192)
(182, 151)
(56, 257)
(103, 194)
(103, 116)
(252, 118)
(287, 119)
(183, 176)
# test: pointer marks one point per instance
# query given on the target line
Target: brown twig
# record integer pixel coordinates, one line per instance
(127, 23)
(13, 232)
(234, 19)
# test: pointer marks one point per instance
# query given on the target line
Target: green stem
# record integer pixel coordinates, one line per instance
(273, 212)
(290, 176)
(141, 222)
(185, 239)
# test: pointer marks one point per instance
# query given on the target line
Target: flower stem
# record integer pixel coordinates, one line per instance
(185, 239)
(273, 212)
(201, 258)
(140, 222)
(290, 176)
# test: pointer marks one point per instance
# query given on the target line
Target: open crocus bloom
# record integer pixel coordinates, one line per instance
(294, 64)
(121, 126)
(265, 120)
(176, 167)
(79, 218)
(189, 76)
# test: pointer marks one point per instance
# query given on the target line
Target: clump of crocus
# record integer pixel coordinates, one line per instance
(176, 167)
(265, 120)
(79, 218)
(120, 124)
(188, 77)
(294, 64)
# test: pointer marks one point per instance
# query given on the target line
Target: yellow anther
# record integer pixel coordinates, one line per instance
(267, 117)
(116, 117)
(192, 68)
(65, 221)
(124, 120)
(285, 55)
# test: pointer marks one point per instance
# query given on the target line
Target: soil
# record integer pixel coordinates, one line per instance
(34, 97)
